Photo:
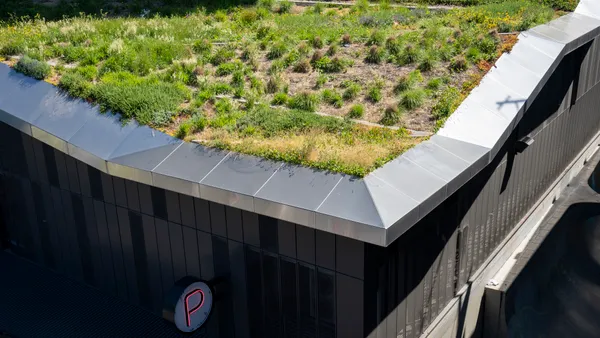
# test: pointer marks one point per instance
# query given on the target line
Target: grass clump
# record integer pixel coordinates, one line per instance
(391, 116)
(351, 91)
(413, 99)
(377, 38)
(227, 68)
(458, 64)
(34, 68)
(277, 50)
(356, 112)
(280, 99)
(317, 42)
(374, 92)
(375, 55)
(322, 79)
(285, 6)
(302, 66)
(139, 98)
(304, 101)
(448, 102)
(184, 130)
(332, 97)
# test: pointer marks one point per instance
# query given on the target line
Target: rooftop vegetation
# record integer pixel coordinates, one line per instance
(339, 89)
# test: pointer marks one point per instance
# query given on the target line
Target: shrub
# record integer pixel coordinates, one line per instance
(264, 30)
(221, 88)
(333, 98)
(248, 16)
(393, 45)
(448, 102)
(391, 116)
(356, 112)
(473, 54)
(376, 38)
(374, 93)
(257, 85)
(220, 15)
(346, 39)
(302, 66)
(404, 83)
(317, 55)
(321, 80)
(237, 79)
(427, 63)
(375, 55)
(274, 84)
(326, 65)
(249, 52)
(303, 48)
(34, 68)
(316, 42)
(280, 99)
(409, 55)
(361, 5)
(318, 8)
(184, 130)
(413, 99)
(139, 98)
(268, 4)
(333, 49)
(221, 55)
(277, 50)
(276, 67)
(285, 6)
(76, 85)
(458, 64)
(225, 69)
(351, 90)
(304, 101)
(434, 84)
(291, 58)
(198, 122)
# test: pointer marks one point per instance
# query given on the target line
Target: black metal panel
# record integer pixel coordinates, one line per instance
(268, 233)
(155, 295)
(120, 192)
(61, 168)
(47, 257)
(128, 255)
(50, 164)
(116, 250)
(350, 307)
(84, 179)
(255, 298)
(251, 229)
(326, 303)
(93, 241)
(350, 257)
(325, 245)
(289, 298)
(133, 200)
(29, 157)
(190, 244)
(159, 203)
(224, 308)
(234, 224)
(82, 240)
(74, 266)
(96, 186)
(286, 234)
(205, 251)
(31, 232)
(238, 289)
(218, 220)
(108, 275)
(177, 251)
(108, 193)
(50, 222)
(73, 174)
(188, 218)
(273, 327)
(202, 212)
(164, 253)
(307, 296)
(145, 194)
(173, 213)
(140, 260)
(40, 161)
(305, 244)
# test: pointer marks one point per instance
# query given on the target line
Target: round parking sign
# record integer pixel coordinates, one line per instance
(188, 304)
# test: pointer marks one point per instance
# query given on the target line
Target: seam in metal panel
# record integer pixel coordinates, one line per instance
(164, 159)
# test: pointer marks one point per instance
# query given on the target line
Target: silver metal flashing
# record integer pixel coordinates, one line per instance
(376, 209)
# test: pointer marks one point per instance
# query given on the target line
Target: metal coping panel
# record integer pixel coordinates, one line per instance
(376, 209)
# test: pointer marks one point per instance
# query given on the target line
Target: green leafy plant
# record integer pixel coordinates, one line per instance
(458, 64)
(280, 99)
(375, 55)
(302, 66)
(321, 80)
(332, 97)
(352, 89)
(317, 42)
(274, 84)
(356, 112)
(34, 68)
(304, 101)
(391, 116)
(285, 6)
(374, 93)
(413, 99)
(184, 130)
(277, 50)
(377, 38)
(448, 102)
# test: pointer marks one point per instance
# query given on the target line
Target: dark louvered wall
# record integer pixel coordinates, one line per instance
(284, 280)
(134, 241)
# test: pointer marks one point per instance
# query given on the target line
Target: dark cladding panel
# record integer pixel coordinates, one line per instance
(173, 212)
(29, 157)
(224, 308)
(133, 200)
(234, 224)
(192, 259)
(273, 327)
(34, 245)
(94, 246)
(307, 285)
(153, 264)
(326, 303)
(159, 203)
(305, 244)
(38, 150)
(61, 169)
(251, 230)
(120, 192)
(74, 267)
(140, 260)
(145, 193)
(217, 219)
(186, 203)
(238, 289)
(164, 251)
(325, 245)
(268, 233)
(286, 232)
(205, 252)
(107, 188)
(202, 211)
(73, 174)
(177, 251)
(289, 298)
(105, 249)
(255, 296)
(350, 257)
(350, 307)
(84, 181)
(96, 186)
(50, 163)
(128, 255)
(116, 248)
(51, 225)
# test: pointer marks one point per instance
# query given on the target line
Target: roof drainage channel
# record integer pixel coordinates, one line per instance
(376, 209)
